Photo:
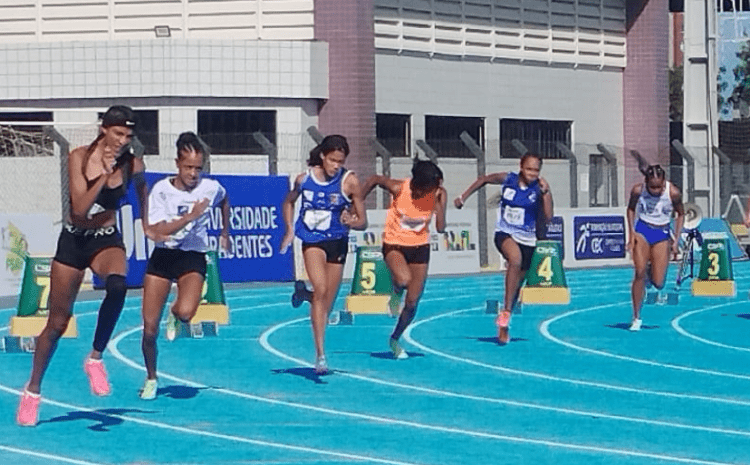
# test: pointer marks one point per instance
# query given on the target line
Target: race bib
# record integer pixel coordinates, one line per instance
(317, 220)
(514, 215)
(413, 224)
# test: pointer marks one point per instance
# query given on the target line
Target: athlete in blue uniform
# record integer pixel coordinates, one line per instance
(524, 196)
(331, 204)
(650, 210)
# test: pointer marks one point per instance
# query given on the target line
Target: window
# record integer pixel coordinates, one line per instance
(20, 137)
(442, 134)
(393, 131)
(230, 132)
(538, 136)
(146, 129)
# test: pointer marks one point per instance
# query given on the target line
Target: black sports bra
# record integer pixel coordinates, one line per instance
(109, 197)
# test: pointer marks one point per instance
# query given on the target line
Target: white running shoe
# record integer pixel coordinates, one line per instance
(171, 326)
(148, 392)
(321, 365)
(398, 352)
(636, 325)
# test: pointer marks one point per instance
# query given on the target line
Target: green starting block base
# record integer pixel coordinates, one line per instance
(197, 330)
(18, 344)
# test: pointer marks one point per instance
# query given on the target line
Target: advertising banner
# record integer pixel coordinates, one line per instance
(453, 252)
(22, 235)
(599, 237)
(255, 233)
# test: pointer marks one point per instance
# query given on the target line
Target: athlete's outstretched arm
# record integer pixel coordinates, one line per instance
(493, 178)
(635, 194)
(287, 209)
(441, 201)
(679, 209)
(356, 217)
(224, 237)
(391, 185)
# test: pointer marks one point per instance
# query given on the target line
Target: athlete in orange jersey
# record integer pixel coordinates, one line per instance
(406, 238)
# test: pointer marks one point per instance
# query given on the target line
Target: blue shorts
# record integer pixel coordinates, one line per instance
(652, 233)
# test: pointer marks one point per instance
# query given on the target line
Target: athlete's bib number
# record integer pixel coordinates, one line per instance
(317, 220)
(514, 215)
(413, 224)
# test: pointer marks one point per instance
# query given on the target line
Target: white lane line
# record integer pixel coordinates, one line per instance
(544, 329)
(394, 421)
(677, 327)
(546, 377)
(42, 455)
(226, 437)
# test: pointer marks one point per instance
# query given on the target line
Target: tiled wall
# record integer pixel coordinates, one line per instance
(172, 67)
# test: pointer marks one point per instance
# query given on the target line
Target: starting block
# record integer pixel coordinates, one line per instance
(340, 318)
(662, 297)
(197, 330)
(372, 289)
(33, 307)
(715, 278)
(545, 280)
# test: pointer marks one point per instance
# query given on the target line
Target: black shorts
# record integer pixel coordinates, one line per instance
(173, 263)
(77, 247)
(527, 251)
(335, 250)
(414, 254)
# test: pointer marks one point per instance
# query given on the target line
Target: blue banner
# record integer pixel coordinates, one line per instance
(599, 237)
(255, 232)
(555, 232)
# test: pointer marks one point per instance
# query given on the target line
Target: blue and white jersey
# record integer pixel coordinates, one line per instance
(166, 203)
(655, 210)
(322, 204)
(518, 209)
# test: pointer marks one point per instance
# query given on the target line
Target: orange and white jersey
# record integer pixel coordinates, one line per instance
(408, 220)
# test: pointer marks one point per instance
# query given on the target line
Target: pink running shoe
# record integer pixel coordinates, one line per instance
(502, 322)
(97, 376)
(28, 409)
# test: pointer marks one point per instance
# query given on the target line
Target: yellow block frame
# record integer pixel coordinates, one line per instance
(714, 288)
(32, 326)
(545, 295)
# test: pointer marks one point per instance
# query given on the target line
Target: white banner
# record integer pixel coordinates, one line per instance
(453, 252)
(21, 235)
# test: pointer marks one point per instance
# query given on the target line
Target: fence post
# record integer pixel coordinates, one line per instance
(642, 162)
(385, 156)
(64, 177)
(429, 151)
(315, 134)
(481, 197)
(726, 187)
(612, 160)
(273, 155)
(573, 173)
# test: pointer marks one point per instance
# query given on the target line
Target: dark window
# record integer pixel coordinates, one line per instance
(393, 131)
(442, 134)
(538, 136)
(146, 129)
(20, 137)
(230, 132)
